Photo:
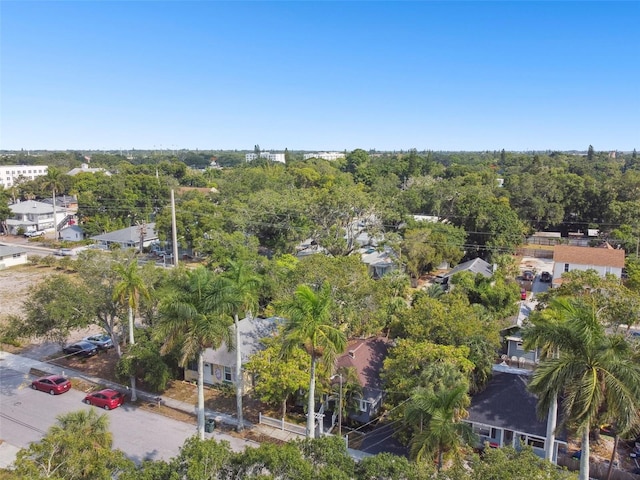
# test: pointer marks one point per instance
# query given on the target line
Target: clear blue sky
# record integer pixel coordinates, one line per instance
(320, 75)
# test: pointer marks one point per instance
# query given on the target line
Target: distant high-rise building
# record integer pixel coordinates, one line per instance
(10, 173)
(274, 157)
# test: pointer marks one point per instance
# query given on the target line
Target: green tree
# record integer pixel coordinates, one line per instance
(592, 373)
(436, 419)
(78, 447)
(128, 290)
(236, 291)
(190, 321)
(308, 324)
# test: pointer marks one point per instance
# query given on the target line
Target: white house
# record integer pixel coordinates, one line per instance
(274, 157)
(9, 174)
(72, 233)
(220, 364)
(604, 260)
(31, 215)
(12, 256)
(84, 168)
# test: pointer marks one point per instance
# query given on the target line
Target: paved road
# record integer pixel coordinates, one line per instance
(26, 415)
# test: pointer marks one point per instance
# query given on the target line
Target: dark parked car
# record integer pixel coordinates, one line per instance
(103, 342)
(53, 384)
(107, 399)
(528, 275)
(546, 277)
(82, 349)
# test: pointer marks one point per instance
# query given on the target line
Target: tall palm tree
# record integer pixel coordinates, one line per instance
(190, 321)
(237, 293)
(592, 372)
(129, 290)
(53, 181)
(436, 419)
(308, 324)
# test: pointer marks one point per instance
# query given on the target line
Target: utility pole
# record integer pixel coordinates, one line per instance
(174, 233)
(142, 230)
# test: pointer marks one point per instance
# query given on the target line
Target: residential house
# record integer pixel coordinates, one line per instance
(68, 202)
(32, 215)
(72, 233)
(516, 355)
(130, 237)
(84, 168)
(378, 263)
(12, 256)
(366, 356)
(10, 174)
(475, 266)
(220, 364)
(504, 414)
(604, 260)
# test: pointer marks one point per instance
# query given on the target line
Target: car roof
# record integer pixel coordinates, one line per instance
(84, 343)
(51, 377)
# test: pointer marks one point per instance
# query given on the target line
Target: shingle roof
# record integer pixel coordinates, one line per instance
(10, 251)
(506, 403)
(128, 235)
(251, 333)
(367, 357)
(477, 265)
(31, 206)
(601, 257)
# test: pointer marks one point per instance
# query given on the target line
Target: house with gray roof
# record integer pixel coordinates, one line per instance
(504, 413)
(475, 266)
(129, 237)
(12, 256)
(220, 363)
(32, 215)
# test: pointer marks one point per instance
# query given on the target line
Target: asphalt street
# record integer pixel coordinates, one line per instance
(26, 415)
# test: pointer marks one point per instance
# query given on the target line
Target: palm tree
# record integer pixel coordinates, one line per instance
(591, 372)
(237, 292)
(308, 324)
(130, 288)
(189, 320)
(53, 181)
(436, 418)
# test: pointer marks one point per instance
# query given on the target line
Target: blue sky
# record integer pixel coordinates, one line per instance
(320, 75)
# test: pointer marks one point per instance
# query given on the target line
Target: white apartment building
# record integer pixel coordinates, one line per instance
(274, 157)
(324, 155)
(10, 173)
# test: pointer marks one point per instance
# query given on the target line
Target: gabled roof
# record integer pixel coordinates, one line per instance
(128, 235)
(506, 403)
(366, 356)
(601, 257)
(252, 331)
(477, 265)
(75, 228)
(11, 251)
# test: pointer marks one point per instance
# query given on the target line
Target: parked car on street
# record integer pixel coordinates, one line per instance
(64, 252)
(82, 349)
(34, 233)
(102, 341)
(523, 294)
(52, 384)
(107, 399)
(528, 275)
(546, 277)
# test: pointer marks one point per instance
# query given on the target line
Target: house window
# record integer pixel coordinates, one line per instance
(566, 267)
(227, 374)
(607, 270)
(363, 404)
(192, 366)
(535, 442)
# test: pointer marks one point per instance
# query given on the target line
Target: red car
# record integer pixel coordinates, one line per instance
(523, 294)
(54, 384)
(107, 399)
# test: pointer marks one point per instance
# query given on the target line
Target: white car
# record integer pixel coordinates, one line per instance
(35, 233)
